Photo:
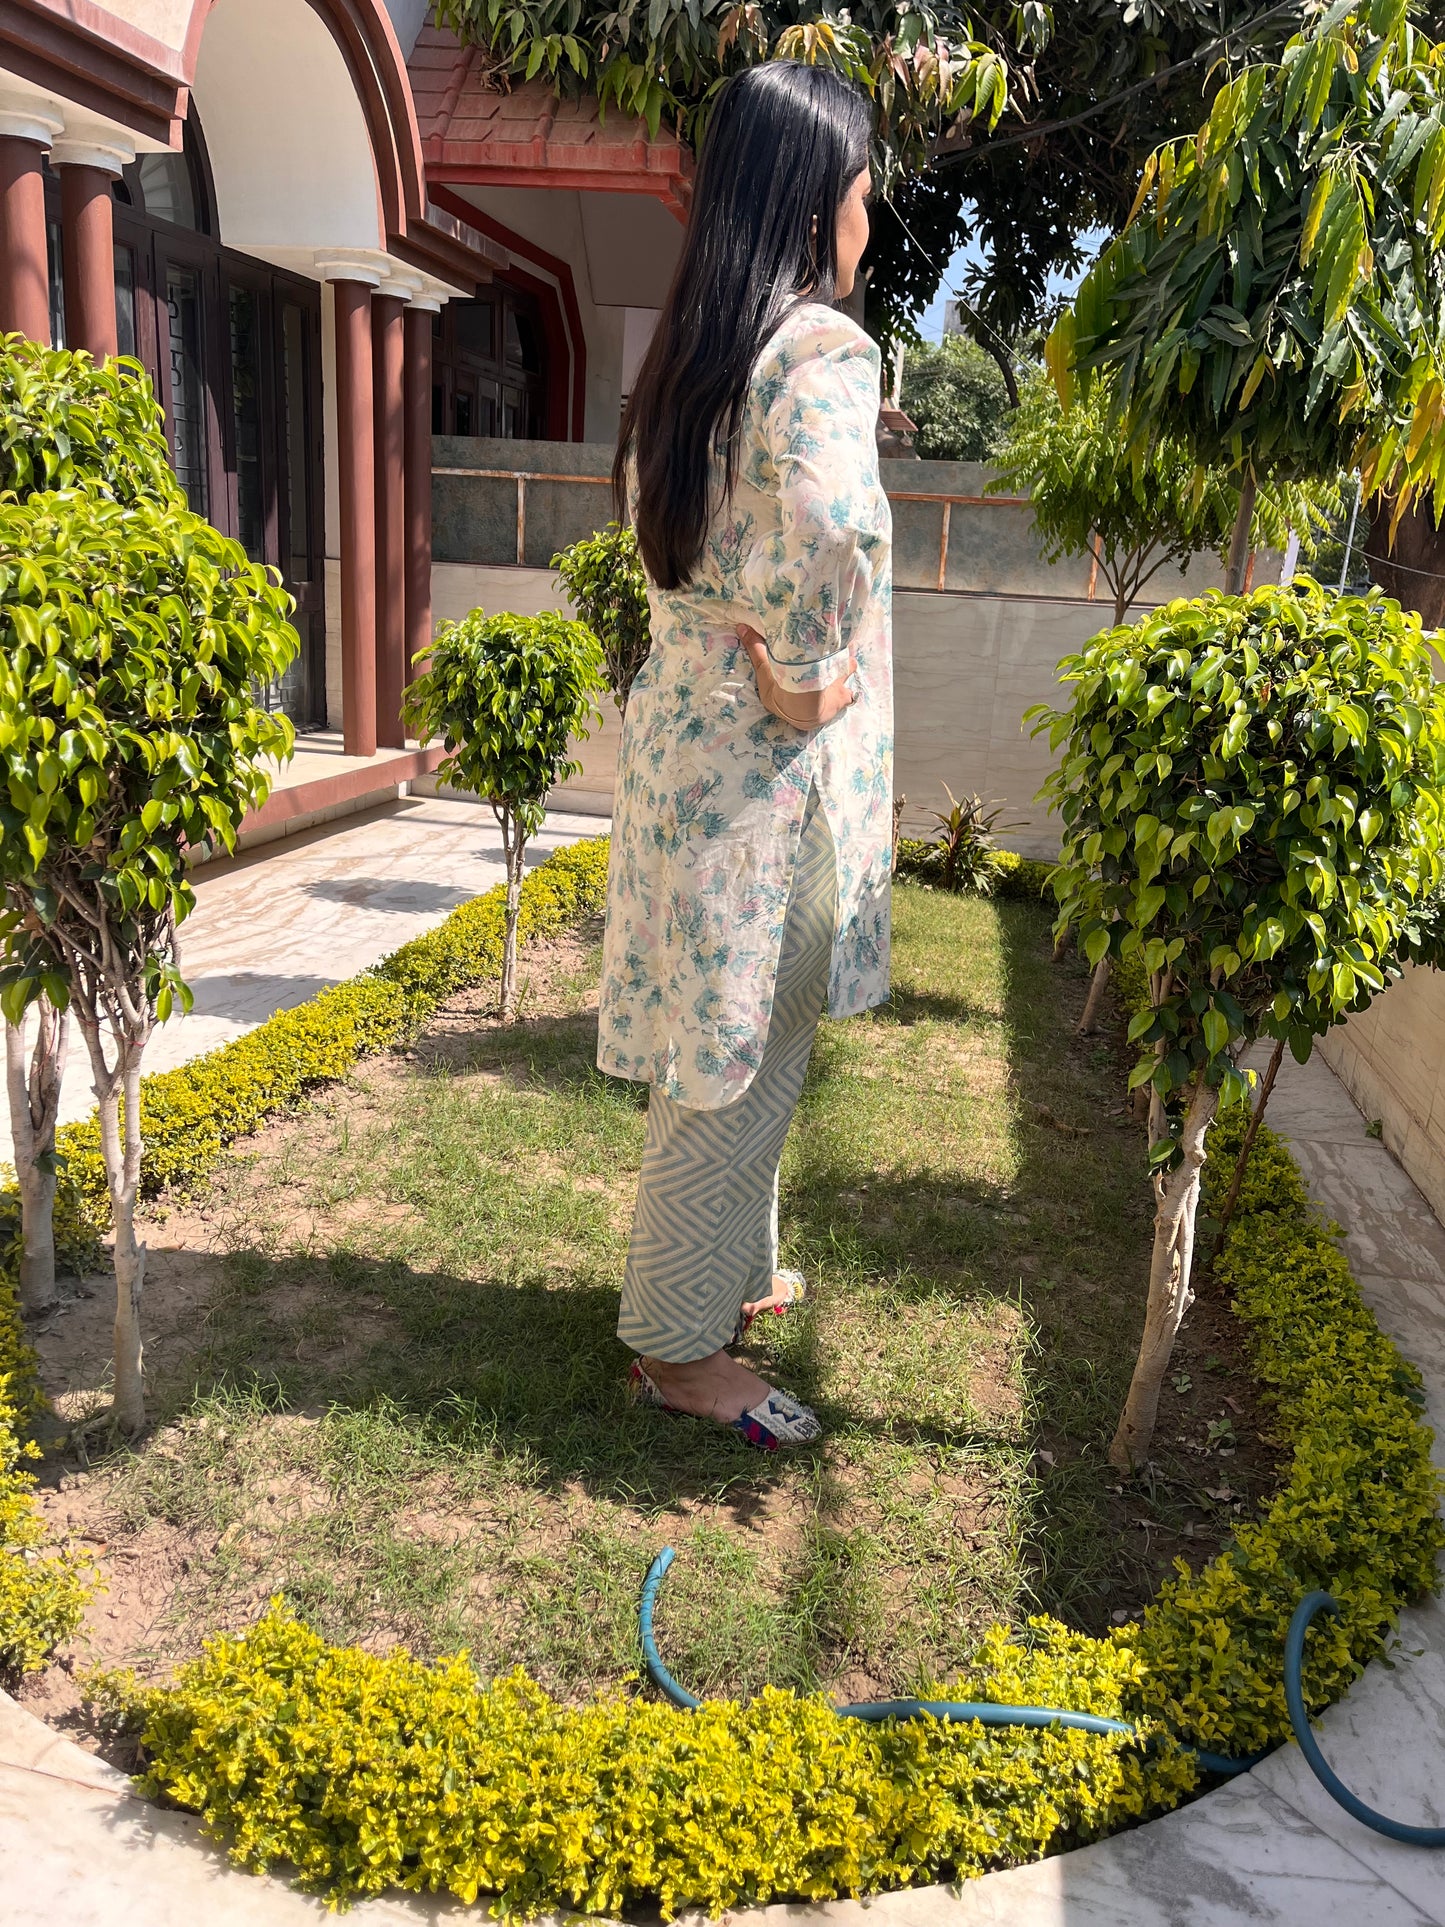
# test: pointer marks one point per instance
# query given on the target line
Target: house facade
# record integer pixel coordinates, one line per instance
(328, 235)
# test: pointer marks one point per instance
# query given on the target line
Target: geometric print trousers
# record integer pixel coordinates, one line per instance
(705, 1228)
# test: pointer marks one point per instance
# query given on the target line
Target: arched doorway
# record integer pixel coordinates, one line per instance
(233, 348)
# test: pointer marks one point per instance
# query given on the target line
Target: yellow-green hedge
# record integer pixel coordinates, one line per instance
(366, 1772)
(42, 1590)
(189, 1115)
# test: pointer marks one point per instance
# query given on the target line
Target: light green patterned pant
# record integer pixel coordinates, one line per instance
(705, 1230)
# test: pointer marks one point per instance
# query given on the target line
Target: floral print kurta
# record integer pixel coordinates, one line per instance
(711, 789)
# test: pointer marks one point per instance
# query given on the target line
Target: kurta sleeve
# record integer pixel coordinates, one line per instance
(816, 427)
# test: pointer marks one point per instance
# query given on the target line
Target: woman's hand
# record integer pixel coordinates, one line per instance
(804, 709)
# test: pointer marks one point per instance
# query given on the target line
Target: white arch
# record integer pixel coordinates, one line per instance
(286, 134)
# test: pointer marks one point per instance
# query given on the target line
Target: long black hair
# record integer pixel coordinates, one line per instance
(785, 143)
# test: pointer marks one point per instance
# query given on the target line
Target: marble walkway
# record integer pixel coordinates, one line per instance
(273, 927)
(78, 1849)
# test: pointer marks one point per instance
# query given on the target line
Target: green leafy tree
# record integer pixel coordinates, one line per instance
(956, 398)
(132, 639)
(1091, 88)
(1251, 792)
(1276, 298)
(604, 578)
(1092, 93)
(1138, 510)
(508, 695)
(64, 420)
(924, 71)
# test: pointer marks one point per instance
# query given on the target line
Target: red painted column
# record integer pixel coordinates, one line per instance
(356, 474)
(24, 261)
(418, 482)
(388, 339)
(89, 246)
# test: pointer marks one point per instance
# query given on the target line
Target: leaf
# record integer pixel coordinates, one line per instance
(1216, 1029)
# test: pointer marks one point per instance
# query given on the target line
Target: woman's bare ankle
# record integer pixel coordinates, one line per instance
(715, 1387)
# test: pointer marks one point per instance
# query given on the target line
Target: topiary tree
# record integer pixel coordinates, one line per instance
(507, 695)
(604, 578)
(1138, 510)
(64, 420)
(1274, 301)
(132, 639)
(1252, 793)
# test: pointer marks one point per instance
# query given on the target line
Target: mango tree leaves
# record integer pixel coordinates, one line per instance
(1278, 298)
(1252, 797)
(925, 70)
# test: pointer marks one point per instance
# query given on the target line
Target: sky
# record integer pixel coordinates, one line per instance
(930, 324)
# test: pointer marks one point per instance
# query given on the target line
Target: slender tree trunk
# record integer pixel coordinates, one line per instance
(1241, 1163)
(1170, 1296)
(1094, 1003)
(1061, 944)
(118, 1089)
(34, 1109)
(1239, 541)
(900, 804)
(513, 845)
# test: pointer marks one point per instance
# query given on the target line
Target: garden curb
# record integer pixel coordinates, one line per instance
(77, 1846)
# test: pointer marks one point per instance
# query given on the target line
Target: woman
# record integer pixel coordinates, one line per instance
(750, 865)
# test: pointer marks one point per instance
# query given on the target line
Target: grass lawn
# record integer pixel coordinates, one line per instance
(386, 1380)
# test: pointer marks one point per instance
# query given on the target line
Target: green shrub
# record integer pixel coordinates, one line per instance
(1011, 877)
(366, 1772)
(508, 695)
(607, 586)
(42, 1591)
(64, 420)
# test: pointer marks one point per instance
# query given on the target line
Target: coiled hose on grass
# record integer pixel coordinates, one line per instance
(988, 1713)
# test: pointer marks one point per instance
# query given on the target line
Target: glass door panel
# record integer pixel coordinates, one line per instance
(127, 339)
(246, 422)
(185, 336)
(302, 693)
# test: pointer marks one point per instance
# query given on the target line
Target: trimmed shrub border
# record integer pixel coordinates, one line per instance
(366, 1773)
(188, 1117)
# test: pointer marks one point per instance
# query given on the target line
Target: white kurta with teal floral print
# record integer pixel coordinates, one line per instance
(711, 789)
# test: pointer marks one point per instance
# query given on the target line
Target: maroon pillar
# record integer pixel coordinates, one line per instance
(418, 483)
(24, 263)
(89, 250)
(388, 338)
(357, 493)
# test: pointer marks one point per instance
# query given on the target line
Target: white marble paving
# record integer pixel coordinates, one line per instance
(272, 928)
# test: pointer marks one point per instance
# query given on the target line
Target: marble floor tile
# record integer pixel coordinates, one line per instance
(1389, 1229)
(1309, 1102)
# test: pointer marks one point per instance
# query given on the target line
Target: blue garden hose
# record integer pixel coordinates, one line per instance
(988, 1713)
(1299, 1719)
